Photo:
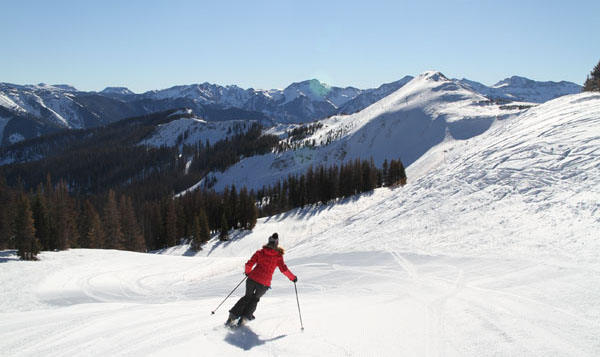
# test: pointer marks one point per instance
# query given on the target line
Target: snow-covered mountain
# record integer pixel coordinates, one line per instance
(370, 96)
(298, 103)
(406, 124)
(490, 249)
(34, 110)
(31, 111)
(117, 91)
(189, 130)
(520, 89)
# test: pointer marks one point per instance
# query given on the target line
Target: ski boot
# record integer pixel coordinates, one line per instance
(244, 320)
(231, 320)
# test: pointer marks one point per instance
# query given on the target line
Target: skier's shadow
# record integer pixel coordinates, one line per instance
(246, 339)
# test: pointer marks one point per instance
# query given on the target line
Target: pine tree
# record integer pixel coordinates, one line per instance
(402, 174)
(6, 214)
(592, 83)
(132, 235)
(93, 235)
(233, 217)
(196, 240)
(64, 225)
(41, 217)
(384, 173)
(201, 231)
(27, 244)
(243, 212)
(112, 223)
(253, 211)
(171, 224)
(204, 227)
(224, 232)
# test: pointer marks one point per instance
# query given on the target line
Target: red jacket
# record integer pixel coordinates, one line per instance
(266, 260)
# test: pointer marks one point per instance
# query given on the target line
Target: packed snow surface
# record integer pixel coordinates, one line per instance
(491, 249)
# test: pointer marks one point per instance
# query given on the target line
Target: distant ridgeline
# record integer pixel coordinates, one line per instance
(113, 193)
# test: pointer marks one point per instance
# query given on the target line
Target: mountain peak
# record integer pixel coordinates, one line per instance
(66, 87)
(116, 90)
(433, 75)
(513, 81)
(311, 88)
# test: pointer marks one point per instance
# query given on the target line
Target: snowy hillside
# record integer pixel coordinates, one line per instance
(490, 250)
(54, 103)
(370, 96)
(406, 124)
(191, 130)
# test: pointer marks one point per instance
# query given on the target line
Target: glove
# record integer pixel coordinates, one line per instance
(295, 279)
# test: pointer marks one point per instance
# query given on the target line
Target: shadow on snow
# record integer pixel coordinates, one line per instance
(8, 255)
(237, 235)
(246, 339)
(316, 208)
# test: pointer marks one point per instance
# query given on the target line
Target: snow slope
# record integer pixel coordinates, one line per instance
(191, 130)
(490, 250)
(54, 103)
(406, 124)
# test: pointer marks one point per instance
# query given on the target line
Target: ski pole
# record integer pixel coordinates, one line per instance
(298, 301)
(234, 289)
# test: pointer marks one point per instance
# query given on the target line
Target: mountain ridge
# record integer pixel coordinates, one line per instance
(43, 108)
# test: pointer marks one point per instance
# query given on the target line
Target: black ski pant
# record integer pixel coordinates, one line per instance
(246, 305)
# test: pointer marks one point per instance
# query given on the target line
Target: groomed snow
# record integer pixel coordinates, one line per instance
(490, 250)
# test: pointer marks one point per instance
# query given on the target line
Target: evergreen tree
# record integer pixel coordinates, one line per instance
(402, 173)
(6, 214)
(153, 223)
(204, 227)
(93, 235)
(253, 211)
(41, 217)
(132, 235)
(384, 173)
(243, 212)
(112, 223)
(201, 230)
(27, 244)
(592, 83)
(224, 232)
(171, 224)
(233, 217)
(64, 232)
(196, 240)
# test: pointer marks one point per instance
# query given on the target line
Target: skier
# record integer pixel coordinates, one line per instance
(259, 280)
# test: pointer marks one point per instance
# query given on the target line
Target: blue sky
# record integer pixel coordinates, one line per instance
(269, 44)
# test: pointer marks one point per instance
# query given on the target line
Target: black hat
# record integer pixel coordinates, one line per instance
(274, 239)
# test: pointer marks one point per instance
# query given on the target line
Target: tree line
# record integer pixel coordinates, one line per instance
(114, 194)
(592, 82)
(49, 218)
(324, 184)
